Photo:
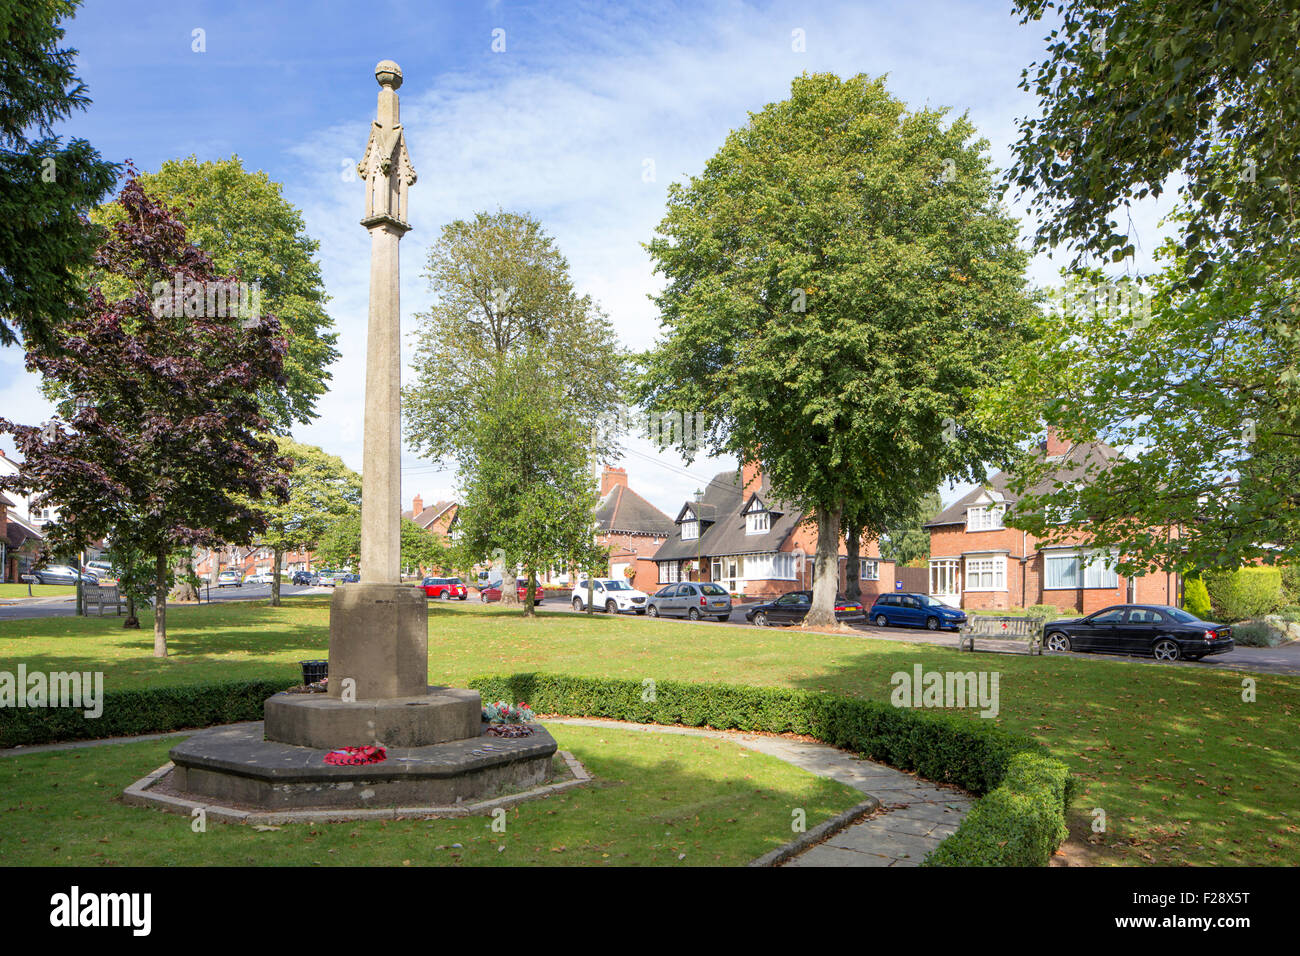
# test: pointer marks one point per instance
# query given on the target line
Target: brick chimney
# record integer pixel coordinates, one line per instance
(417, 505)
(751, 477)
(611, 477)
(1056, 445)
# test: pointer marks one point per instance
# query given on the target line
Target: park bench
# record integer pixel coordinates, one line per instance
(1017, 632)
(100, 596)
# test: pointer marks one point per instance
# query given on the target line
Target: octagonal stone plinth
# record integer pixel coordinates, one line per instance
(317, 720)
(236, 766)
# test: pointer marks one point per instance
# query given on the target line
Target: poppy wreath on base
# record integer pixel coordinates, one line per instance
(354, 756)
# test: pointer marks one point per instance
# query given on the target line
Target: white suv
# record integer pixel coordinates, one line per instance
(613, 594)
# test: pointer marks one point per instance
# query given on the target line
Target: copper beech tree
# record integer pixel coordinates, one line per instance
(159, 441)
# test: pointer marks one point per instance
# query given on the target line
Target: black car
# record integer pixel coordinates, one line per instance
(1153, 630)
(793, 606)
(302, 577)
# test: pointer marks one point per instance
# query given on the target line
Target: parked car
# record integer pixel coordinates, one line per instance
(260, 577)
(1154, 630)
(230, 579)
(793, 606)
(328, 578)
(693, 600)
(350, 577)
(62, 574)
(615, 595)
(909, 609)
(303, 578)
(100, 569)
(493, 592)
(444, 589)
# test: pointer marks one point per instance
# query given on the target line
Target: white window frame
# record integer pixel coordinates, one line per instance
(1091, 570)
(979, 568)
(670, 572)
(868, 569)
(985, 517)
(690, 530)
(945, 571)
(758, 522)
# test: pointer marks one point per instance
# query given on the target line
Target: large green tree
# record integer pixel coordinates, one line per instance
(321, 490)
(529, 492)
(46, 186)
(1200, 386)
(251, 232)
(841, 288)
(503, 289)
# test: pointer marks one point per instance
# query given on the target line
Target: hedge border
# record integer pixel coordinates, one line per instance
(1019, 822)
(151, 710)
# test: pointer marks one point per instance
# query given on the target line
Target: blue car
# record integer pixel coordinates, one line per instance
(908, 609)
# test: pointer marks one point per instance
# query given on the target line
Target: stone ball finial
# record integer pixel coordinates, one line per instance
(388, 74)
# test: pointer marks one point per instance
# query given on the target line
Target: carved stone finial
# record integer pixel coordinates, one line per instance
(389, 74)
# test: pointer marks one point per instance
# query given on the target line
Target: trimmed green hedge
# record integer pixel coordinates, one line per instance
(149, 711)
(1019, 822)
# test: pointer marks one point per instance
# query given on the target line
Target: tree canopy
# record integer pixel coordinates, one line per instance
(841, 286)
(47, 187)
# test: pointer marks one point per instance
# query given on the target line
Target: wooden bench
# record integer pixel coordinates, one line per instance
(100, 596)
(1018, 631)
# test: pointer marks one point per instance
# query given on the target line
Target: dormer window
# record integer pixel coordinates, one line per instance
(758, 520)
(690, 530)
(985, 517)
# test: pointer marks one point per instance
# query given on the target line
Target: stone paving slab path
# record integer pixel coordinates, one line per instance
(915, 817)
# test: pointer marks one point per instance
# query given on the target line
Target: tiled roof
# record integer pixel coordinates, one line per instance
(622, 509)
(430, 514)
(1070, 467)
(724, 523)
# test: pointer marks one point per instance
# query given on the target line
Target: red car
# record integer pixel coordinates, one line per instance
(444, 588)
(493, 593)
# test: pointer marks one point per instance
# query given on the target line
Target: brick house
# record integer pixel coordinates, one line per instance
(19, 543)
(978, 559)
(437, 519)
(754, 544)
(631, 528)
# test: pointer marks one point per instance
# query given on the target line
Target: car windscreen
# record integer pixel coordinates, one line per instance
(617, 586)
(712, 589)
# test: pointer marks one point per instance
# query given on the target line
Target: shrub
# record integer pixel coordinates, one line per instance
(1257, 634)
(1045, 612)
(1196, 599)
(1245, 593)
(1291, 583)
(1029, 789)
(153, 710)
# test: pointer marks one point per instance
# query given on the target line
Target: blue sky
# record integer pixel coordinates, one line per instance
(560, 124)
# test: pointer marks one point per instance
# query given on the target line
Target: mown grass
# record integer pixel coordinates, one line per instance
(38, 590)
(1185, 769)
(657, 800)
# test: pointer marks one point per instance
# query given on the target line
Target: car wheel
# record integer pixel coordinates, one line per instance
(1058, 642)
(577, 604)
(932, 623)
(446, 595)
(760, 619)
(693, 614)
(1166, 650)
(653, 610)
(882, 621)
(482, 597)
(611, 607)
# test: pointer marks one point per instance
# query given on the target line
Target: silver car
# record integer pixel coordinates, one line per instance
(691, 600)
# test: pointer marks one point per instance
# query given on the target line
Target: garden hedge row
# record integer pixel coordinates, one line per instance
(147, 711)
(1019, 822)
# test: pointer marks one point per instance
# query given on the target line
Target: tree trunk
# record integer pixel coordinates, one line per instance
(530, 609)
(276, 557)
(131, 622)
(826, 570)
(183, 588)
(853, 566)
(509, 590)
(160, 606)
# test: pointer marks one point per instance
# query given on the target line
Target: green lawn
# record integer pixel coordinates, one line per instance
(38, 590)
(657, 801)
(1184, 769)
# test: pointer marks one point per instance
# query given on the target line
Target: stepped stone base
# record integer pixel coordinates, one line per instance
(236, 765)
(440, 715)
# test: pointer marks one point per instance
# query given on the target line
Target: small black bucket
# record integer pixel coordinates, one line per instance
(313, 671)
